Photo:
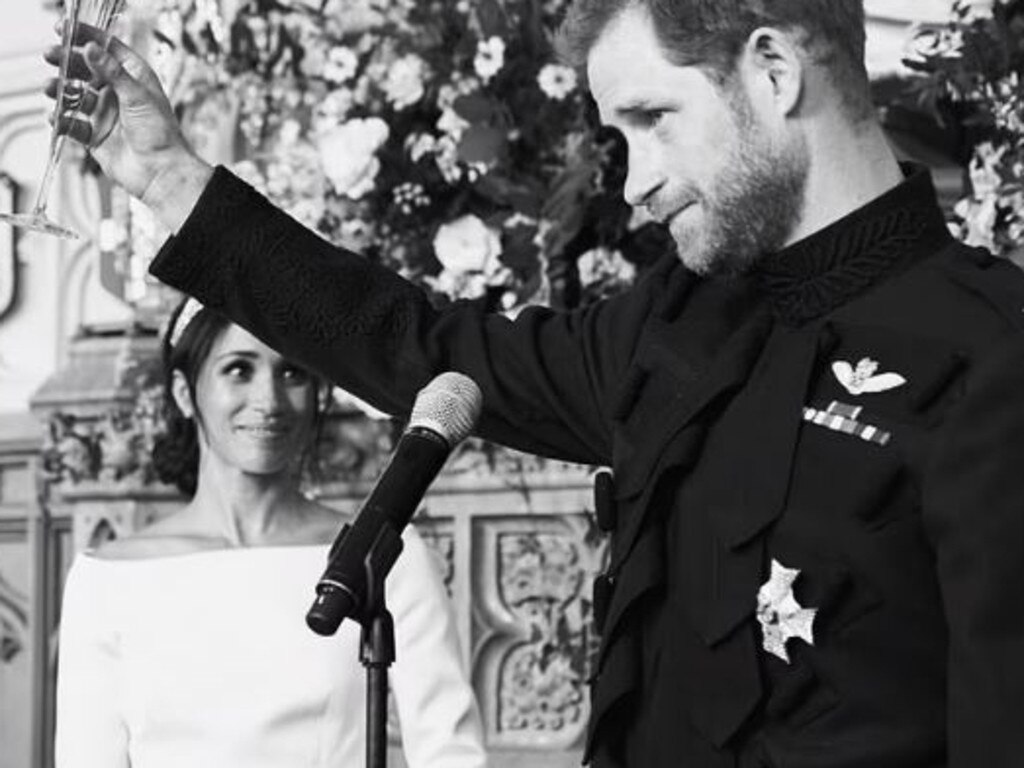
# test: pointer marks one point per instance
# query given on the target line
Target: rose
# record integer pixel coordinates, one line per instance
(404, 83)
(468, 245)
(347, 153)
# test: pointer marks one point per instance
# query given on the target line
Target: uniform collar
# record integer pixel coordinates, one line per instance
(834, 265)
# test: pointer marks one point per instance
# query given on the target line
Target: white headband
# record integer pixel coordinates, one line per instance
(187, 315)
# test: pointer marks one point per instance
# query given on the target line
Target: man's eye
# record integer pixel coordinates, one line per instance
(652, 117)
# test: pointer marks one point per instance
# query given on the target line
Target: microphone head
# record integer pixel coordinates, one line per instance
(449, 405)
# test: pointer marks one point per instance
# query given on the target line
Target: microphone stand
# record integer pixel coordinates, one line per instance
(377, 643)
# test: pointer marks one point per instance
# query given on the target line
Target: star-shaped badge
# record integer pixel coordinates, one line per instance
(780, 615)
(863, 378)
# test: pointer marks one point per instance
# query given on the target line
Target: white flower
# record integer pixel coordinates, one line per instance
(452, 123)
(557, 81)
(348, 153)
(446, 96)
(355, 15)
(305, 169)
(450, 92)
(419, 145)
(601, 264)
(468, 245)
(341, 64)
(446, 158)
(942, 42)
(978, 10)
(278, 179)
(250, 173)
(289, 132)
(404, 83)
(984, 169)
(307, 211)
(490, 57)
(314, 60)
(356, 235)
(979, 220)
(332, 110)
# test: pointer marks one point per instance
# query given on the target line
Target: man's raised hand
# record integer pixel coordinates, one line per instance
(126, 121)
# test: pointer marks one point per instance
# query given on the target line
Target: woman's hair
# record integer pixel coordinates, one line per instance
(185, 349)
(710, 34)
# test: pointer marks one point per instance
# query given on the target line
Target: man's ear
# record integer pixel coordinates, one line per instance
(182, 394)
(774, 69)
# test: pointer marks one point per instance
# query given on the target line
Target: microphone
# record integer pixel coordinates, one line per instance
(443, 414)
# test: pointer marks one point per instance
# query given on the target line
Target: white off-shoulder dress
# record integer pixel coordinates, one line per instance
(204, 660)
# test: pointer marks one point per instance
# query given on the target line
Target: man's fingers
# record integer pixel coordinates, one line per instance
(77, 96)
(87, 33)
(86, 37)
(108, 70)
(77, 68)
(75, 128)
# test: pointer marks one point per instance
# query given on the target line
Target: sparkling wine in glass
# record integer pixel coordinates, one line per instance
(101, 14)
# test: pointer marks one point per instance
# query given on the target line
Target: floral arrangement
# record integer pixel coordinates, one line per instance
(973, 73)
(440, 137)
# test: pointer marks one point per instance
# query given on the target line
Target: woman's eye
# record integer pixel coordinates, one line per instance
(295, 375)
(238, 370)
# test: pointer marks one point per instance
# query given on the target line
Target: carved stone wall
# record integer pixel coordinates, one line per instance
(516, 544)
(34, 551)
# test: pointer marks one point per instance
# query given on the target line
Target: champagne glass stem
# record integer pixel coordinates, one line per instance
(57, 138)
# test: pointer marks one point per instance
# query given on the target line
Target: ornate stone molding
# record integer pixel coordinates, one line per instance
(13, 621)
(8, 262)
(534, 627)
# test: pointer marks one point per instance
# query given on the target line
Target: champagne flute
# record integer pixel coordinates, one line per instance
(101, 14)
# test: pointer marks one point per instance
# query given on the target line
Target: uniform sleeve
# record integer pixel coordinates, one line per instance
(439, 716)
(90, 730)
(974, 509)
(548, 378)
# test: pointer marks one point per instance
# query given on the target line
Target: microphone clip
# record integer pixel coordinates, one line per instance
(335, 601)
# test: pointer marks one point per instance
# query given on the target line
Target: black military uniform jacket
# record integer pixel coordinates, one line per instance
(817, 512)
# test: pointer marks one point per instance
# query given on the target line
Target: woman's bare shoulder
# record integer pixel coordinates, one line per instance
(173, 535)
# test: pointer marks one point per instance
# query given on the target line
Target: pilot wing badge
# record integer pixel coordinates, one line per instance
(864, 378)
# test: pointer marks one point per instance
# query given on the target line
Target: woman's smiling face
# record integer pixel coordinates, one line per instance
(255, 408)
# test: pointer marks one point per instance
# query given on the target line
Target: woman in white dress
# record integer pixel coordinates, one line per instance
(185, 646)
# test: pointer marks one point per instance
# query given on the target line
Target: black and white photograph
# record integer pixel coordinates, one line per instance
(512, 384)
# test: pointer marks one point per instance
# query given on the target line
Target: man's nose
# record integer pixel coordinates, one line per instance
(643, 176)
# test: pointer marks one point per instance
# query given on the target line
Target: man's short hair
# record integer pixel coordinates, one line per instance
(710, 34)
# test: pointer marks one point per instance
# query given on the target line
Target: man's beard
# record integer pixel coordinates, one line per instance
(752, 208)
